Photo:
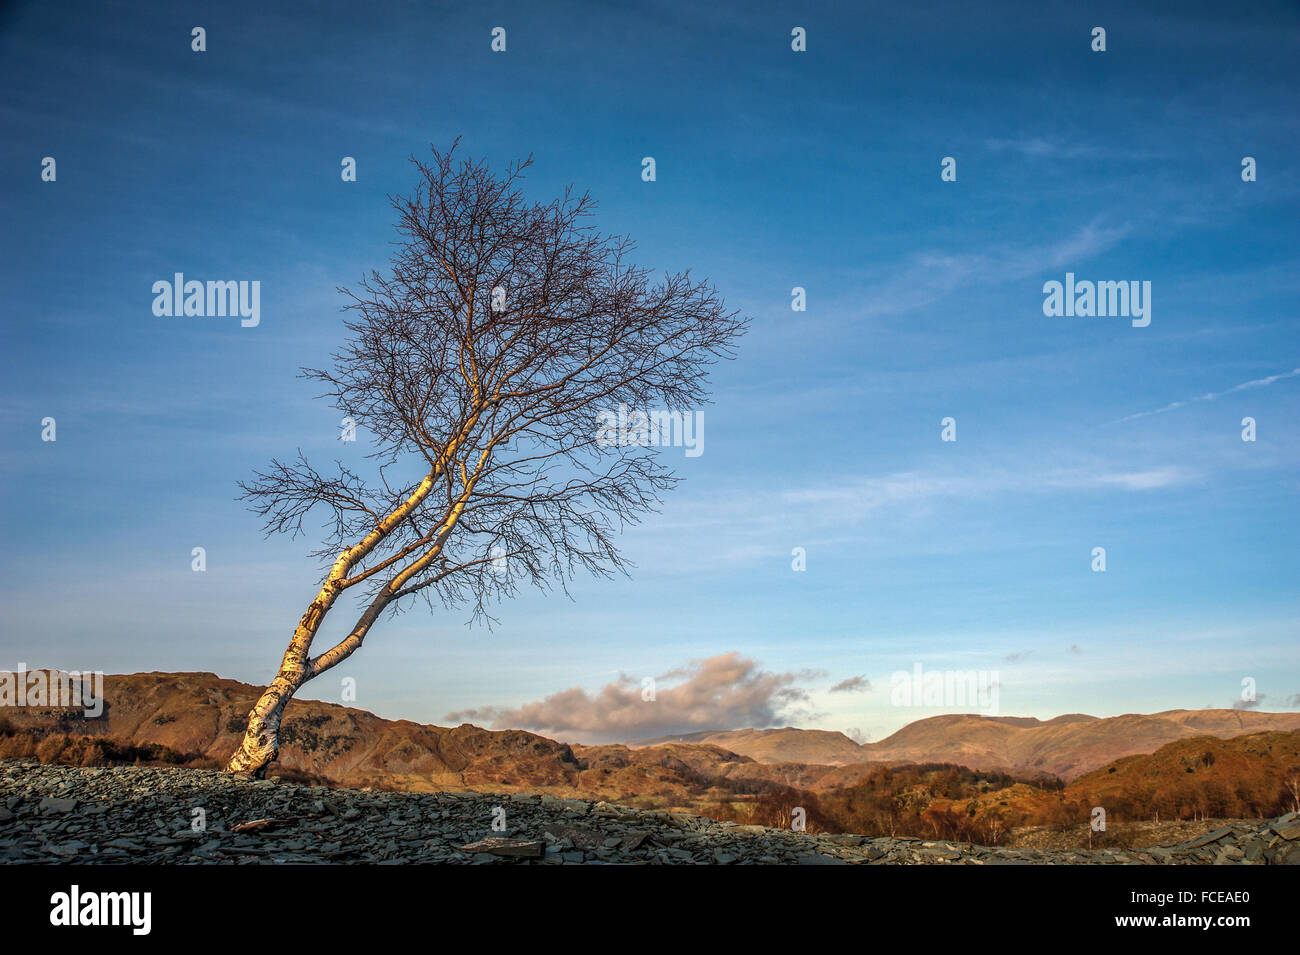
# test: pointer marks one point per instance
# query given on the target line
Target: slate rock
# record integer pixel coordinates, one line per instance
(508, 848)
(137, 814)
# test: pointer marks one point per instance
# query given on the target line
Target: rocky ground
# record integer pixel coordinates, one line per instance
(53, 814)
(1126, 835)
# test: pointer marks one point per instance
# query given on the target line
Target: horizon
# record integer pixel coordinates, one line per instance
(926, 300)
(92, 700)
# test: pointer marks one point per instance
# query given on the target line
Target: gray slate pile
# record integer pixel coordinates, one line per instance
(54, 814)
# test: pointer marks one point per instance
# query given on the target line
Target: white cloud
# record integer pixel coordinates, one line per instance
(727, 691)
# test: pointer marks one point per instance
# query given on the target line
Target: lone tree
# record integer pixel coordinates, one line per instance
(481, 364)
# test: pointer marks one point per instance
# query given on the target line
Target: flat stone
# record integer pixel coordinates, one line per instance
(507, 848)
(1209, 837)
(1289, 830)
(817, 858)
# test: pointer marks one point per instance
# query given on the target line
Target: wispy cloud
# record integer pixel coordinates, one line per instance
(751, 529)
(1039, 147)
(1212, 395)
(932, 275)
(858, 497)
(1146, 480)
(852, 685)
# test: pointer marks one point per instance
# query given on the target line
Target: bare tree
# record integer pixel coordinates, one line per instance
(1291, 788)
(480, 365)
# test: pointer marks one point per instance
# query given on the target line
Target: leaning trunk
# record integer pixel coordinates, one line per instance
(261, 743)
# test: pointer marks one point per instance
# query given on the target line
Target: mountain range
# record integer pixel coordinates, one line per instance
(203, 714)
(1066, 746)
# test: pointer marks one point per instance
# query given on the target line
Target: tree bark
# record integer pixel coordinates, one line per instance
(261, 743)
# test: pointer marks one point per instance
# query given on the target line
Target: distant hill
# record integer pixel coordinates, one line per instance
(1066, 746)
(1220, 777)
(785, 745)
(1201, 777)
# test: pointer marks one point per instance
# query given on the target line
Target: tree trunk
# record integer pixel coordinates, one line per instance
(261, 743)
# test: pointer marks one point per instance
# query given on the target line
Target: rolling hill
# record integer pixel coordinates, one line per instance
(1067, 746)
(786, 745)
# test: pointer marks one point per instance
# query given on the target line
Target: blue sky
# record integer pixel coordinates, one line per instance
(775, 169)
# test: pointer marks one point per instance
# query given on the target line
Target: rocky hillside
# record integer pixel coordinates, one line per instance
(1183, 783)
(1220, 774)
(52, 814)
(203, 714)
